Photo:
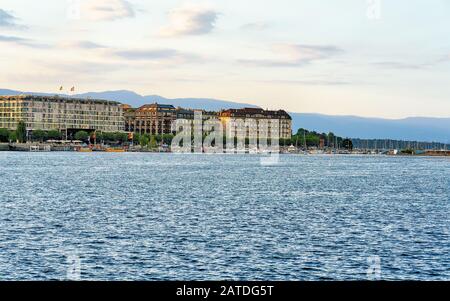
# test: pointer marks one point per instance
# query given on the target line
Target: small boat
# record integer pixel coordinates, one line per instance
(292, 149)
(84, 150)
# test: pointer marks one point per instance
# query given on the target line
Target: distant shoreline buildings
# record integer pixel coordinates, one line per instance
(70, 115)
(67, 116)
(260, 116)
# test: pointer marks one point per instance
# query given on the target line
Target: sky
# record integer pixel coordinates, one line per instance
(374, 58)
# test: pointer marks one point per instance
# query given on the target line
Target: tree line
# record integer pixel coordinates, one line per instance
(19, 134)
(304, 138)
(301, 139)
(385, 144)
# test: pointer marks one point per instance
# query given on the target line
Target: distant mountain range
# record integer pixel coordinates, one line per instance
(426, 129)
(136, 100)
(413, 128)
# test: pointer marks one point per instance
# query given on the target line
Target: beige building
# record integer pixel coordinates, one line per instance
(60, 113)
(189, 114)
(259, 122)
(152, 119)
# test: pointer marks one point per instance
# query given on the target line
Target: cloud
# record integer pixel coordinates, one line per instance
(140, 55)
(107, 10)
(81, 45)
(415, 65)
(8, 20)
(54, 71)
(190, 20)
(150, 54)
(21, 41)
(444, 59)
(83, 67)
(163, 55)
(258, 26)
(13, 39)
(295, 55)
(311, 82)
(401, 65)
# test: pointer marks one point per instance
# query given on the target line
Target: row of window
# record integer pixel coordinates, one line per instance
(4, 104)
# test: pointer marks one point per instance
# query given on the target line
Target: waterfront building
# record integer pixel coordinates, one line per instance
(70, 115)
(67, 115)
(189, 114)
(152, 119)
(158, 119)
(263, 122)
(185, 114)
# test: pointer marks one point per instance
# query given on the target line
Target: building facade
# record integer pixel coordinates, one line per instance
(259, 123)
(189, 114)
(159, 119)
(60, 113)
(152, 119)
(73, 114)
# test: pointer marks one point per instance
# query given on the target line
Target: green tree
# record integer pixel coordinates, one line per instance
(286, 142)
(331, 139)
(54, 135)
(153, 142)
(4, 135)
(144, 140)
(21, 132)
(300, 137)
(407, 151)
(82, 136)
(347, 144)
(121, 137)
(166, 138)
(98, 137)
(312, 139)
(109, 137)
(12, 136)
(136, 137)
(39, 135)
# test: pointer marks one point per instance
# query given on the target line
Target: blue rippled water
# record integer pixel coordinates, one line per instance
(193, 217)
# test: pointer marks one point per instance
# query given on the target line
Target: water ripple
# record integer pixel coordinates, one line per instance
(193, 217)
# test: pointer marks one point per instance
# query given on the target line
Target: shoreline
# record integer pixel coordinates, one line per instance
(51, 147)
(241, 153)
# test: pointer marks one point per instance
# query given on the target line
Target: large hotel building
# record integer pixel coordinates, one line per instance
(152, 119)
(263, 122)
(158, 118)
(60, 113)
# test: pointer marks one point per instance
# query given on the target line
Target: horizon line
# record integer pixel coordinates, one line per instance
(232, 101)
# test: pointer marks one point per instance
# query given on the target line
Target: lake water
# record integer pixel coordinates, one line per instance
(106, 216)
